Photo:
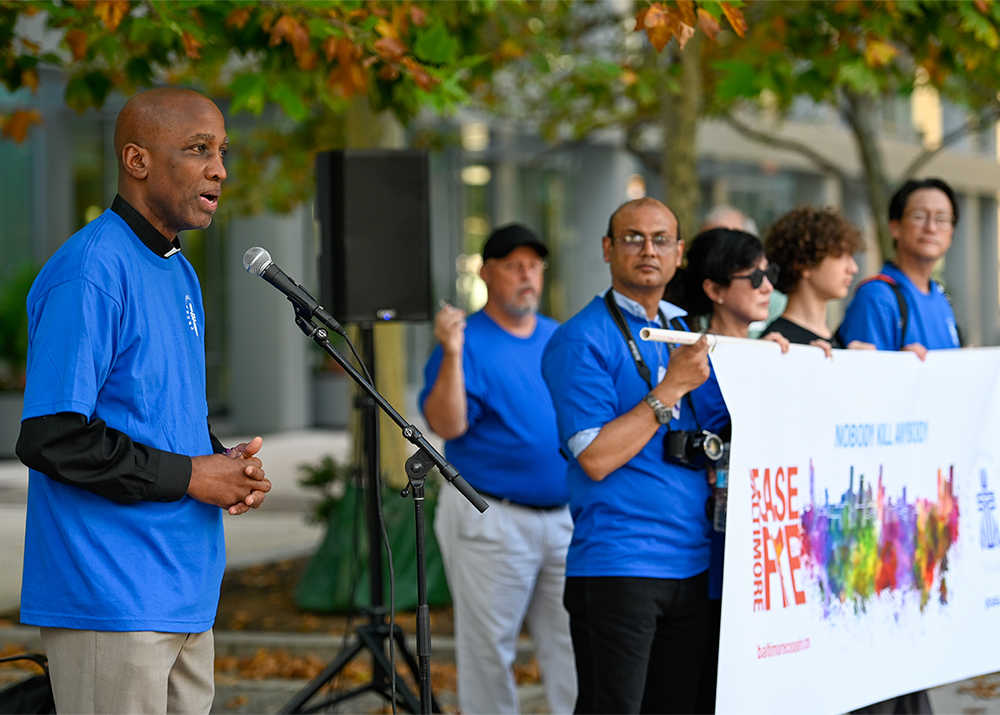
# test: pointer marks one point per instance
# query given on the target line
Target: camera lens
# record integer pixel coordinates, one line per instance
(713, 446)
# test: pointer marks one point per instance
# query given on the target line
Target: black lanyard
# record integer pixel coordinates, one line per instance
(640, 364)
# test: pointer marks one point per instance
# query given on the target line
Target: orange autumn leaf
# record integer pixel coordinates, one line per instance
(111, 12)
(640, 19)
(390, 48)
(192, 48)
(388, 73)
(983, 6)
(423, 80)
(16, 125)
(238, 18)
(686, 8)
(29, 78)
(708, 24)
(662, 24)
(879, 53)
(736, 19)
(385, 29)
(418, 16)
(401, 20)
(629, 77)
(77, 41)
(329, 48)
(294, 33)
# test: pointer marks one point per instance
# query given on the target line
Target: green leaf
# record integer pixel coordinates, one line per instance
(857, 75)
(738, 80)
(249, 91)
(290, 101)
(78, 93)
(436, 45)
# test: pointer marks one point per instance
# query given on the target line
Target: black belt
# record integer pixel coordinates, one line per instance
(514, 503)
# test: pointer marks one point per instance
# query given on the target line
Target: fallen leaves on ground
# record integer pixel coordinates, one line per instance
(982, 687)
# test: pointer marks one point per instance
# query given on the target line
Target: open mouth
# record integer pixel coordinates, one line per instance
(210, 201)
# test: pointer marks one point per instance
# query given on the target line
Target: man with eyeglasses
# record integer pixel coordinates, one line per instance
(485, 395)
(637, 568)
(902, 308)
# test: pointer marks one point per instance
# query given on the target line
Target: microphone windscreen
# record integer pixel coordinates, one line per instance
(256, 260)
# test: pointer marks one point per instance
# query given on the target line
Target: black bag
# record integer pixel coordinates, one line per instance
(31, 695)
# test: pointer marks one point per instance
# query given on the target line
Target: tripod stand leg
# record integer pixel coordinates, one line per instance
(375, 638)
(329, 673)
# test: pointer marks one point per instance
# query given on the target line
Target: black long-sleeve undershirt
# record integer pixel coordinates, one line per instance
(90, 455)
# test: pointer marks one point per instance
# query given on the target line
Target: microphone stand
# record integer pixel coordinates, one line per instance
(417, 467)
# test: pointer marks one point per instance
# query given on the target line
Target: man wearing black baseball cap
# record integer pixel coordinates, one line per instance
(485, 395)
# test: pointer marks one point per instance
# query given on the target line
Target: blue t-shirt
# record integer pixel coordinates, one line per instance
(117, 333)
(647, 518)
(511, 449)
(873, 315)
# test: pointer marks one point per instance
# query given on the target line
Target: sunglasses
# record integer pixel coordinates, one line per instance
(756, 277)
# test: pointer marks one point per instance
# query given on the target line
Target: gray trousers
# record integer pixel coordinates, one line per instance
(506, 567)
(130, 672)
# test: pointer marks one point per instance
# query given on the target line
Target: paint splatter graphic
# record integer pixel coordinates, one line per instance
(866, 545)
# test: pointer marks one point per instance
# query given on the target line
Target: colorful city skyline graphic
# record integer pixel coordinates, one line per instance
(866, 545)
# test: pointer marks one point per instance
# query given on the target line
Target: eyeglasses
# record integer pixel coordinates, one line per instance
(529, 266)
(757, 276)
(634, 242)
(920, 218)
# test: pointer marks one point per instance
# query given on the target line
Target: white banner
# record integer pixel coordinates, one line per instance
(862, 545)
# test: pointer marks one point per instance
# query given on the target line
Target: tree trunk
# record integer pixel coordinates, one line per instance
(363, 129)
(680, 151)
(860, 115)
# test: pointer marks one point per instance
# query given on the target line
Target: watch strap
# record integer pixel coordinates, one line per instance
(661, 411)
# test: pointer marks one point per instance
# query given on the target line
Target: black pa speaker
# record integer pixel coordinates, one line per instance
(374, 212)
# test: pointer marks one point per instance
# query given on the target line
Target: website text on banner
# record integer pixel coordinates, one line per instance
(862, 554)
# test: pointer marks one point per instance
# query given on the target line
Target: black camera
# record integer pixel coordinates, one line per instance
(692, 449)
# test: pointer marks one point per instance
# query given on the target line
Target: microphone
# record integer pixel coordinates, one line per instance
(258, 262)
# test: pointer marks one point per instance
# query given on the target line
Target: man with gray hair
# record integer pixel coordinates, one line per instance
(485, 395)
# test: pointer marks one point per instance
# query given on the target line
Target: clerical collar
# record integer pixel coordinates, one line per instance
(669, 310)
(154, 240)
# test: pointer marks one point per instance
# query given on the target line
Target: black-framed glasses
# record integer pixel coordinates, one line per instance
(757, 276)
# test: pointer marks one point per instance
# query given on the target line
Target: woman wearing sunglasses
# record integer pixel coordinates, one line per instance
(727, 285)
(728, 282)
(814, 249)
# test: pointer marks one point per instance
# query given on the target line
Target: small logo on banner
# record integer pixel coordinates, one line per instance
(192, 318)
(989, 534)
(777, 538)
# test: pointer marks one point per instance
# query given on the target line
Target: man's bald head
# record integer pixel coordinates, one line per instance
(636, 203)
(145, 116)
(171, 144)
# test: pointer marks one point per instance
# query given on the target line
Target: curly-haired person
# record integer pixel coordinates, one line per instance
(814, 249)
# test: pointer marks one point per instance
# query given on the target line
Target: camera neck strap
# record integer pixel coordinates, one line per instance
(633, 348)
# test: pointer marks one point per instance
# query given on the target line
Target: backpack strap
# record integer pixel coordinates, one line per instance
(904, 310)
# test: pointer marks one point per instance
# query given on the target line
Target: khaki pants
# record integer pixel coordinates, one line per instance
(130, 672)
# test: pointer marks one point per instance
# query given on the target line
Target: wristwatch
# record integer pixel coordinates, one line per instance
(662, 411)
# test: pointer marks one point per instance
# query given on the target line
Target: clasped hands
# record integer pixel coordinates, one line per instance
(233, 481)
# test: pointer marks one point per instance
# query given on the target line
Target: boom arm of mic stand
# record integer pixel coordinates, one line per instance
(411, 433)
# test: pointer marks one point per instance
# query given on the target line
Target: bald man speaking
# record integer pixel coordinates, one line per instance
(124, 549)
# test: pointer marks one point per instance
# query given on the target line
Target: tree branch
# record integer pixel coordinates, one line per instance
(789, 144)
(986, 118)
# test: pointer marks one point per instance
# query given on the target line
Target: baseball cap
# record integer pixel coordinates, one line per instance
(505, 239)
